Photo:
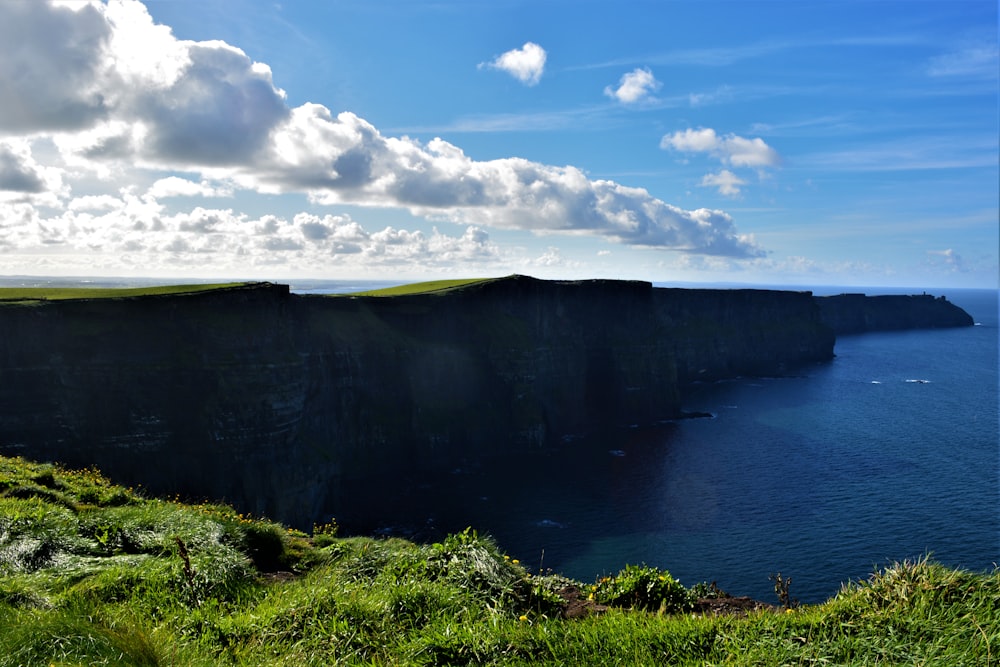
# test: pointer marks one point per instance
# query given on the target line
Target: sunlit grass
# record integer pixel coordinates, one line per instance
(20, 294)
(92, 573)
(421, 287)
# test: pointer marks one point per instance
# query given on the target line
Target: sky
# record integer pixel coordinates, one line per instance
(774, 142)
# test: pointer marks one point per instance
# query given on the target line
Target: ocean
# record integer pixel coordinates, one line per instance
(888, 452)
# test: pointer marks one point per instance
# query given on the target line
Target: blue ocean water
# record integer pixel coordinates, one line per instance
(888, 452)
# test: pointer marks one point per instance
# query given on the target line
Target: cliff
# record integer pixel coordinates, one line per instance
(274, 401)
(857, 313)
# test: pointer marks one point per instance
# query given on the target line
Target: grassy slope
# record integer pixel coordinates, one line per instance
(421, 288)
(21, 294)
(92, 573)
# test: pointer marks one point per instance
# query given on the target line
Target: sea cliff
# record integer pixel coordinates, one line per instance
(858, 313)
(272, 401)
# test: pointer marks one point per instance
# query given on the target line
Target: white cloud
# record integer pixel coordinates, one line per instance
(94, 203)
(144, 94)
(345, 160)
(731, 149)
(552, 257)
(146, 239)
(727, 182)
(23, 178)
(525, 64)
(174, 186)
(142, 53)
(52, 69)
(634, 87)
(18, 171)
(205, 109)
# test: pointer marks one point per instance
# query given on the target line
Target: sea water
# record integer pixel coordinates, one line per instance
(886, 453)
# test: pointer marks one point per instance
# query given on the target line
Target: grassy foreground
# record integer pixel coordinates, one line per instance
(96, 574)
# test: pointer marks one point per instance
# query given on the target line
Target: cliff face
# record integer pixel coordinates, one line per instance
(188, 394)
(273, 401)
(718, 334)
(857, 313)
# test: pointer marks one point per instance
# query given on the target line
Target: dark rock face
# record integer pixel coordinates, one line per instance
(273, 402)
(857, 313)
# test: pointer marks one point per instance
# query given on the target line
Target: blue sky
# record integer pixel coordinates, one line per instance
(774, 142)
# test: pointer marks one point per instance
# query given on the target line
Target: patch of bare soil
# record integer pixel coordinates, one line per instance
(578, 606)
(730, 606)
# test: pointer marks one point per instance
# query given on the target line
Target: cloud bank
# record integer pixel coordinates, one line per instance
(118, 97)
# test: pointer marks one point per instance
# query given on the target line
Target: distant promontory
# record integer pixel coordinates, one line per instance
(858, 313)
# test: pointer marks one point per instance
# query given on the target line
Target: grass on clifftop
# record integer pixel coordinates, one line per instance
(21, 294)
(96, 574)
(420, 288)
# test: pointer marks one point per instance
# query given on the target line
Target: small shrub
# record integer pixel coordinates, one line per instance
(476, 564)
(642, 587)
(781, 585)
(264, 542)
(325, 534)
(708, 591)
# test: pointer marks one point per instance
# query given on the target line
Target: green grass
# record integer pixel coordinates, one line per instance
(96, 574)
(21, 294)
(421, 288)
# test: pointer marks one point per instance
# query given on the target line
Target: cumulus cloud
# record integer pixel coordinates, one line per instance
(18, 173)
(141, 92)
(345, 160)
(139, 231)
(634, 87)
(552, 257)
(23, 178)
(53, 66)
(731, 149)
(174, 186)
(525, 64)
(132, 98)
(727, 182)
